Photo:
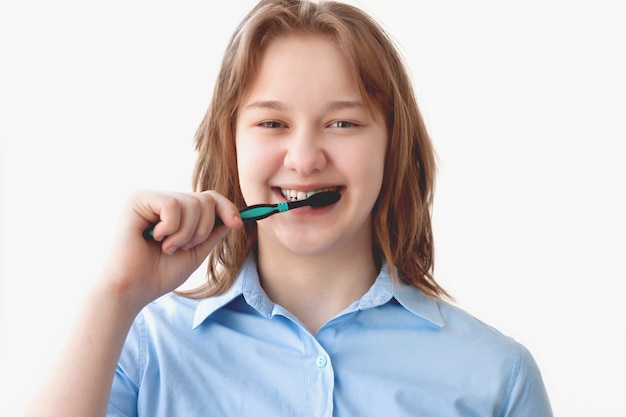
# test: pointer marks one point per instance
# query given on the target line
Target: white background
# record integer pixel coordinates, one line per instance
(525, 102)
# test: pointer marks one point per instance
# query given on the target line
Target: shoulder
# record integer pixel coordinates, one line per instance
(493, 353)
(452, 325)
(464, 323)
(155, 330)
(478, 338)
(502, 364)
(169, 311)
(169, 316)
(499, 357)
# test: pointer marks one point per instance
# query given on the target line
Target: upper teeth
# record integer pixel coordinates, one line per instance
(294, 195)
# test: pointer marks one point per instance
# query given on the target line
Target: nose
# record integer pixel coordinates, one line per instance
(305, 153)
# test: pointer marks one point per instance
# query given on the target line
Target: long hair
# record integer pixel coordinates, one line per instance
(401, 218)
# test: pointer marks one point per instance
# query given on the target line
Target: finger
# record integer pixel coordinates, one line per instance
(187, 220)
(168, 208)
(203, 249)
(191, 211)
(207, 222)
(227, 211)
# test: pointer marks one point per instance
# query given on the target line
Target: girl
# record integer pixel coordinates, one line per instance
(326, 311)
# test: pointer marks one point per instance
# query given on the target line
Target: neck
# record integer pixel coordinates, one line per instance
(316, 288)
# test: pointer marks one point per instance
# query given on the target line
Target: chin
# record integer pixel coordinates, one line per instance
(308, 248)
(305, 245)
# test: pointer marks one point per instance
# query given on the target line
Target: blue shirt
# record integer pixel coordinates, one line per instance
(394, 352)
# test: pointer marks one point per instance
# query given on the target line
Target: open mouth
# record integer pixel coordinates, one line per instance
(295, 195)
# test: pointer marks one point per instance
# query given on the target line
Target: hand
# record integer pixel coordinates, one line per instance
(141, 271)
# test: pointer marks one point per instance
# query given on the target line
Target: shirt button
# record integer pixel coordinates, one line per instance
(321, 361)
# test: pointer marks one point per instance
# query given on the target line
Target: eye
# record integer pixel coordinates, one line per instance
(342, 124)
(271, 124)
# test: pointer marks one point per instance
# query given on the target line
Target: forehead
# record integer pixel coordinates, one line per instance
(300, 62)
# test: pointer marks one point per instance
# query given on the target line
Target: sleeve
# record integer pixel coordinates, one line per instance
(125, 387)
(527, 395)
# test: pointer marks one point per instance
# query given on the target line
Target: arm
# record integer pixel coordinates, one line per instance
(137, 273)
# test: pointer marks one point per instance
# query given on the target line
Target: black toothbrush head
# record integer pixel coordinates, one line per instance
(322, 199)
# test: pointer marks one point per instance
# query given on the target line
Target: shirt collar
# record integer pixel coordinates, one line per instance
(409, 297)
(382, 291)
(247, 284)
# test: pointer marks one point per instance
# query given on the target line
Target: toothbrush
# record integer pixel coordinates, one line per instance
(261, 211)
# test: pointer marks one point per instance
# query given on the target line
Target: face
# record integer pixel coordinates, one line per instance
(304, 127)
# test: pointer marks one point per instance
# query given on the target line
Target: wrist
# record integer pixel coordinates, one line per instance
(119, 296)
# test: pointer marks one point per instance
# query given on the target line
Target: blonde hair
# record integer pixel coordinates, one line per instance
(401, 220)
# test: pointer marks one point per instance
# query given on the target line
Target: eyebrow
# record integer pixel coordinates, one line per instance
(342, 104)
(266, 104)
(277, 105)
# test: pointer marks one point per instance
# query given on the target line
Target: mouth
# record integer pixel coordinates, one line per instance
(296, 195)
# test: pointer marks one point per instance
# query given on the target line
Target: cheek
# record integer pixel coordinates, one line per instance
(256, 161)
(367, 163)
(374, 174)
(245, 163)
(246, 150)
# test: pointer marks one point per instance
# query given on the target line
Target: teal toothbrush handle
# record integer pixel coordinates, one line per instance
(261, 211)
